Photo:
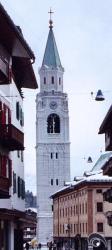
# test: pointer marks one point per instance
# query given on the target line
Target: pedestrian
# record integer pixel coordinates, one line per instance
(39, 245)
(27, 246)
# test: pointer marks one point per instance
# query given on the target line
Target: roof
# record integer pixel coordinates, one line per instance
(10, 30)
(12, 39)
(98, 178)
(51, 55)
(107, 122)
(101, 161)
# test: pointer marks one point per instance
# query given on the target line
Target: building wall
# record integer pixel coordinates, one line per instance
(10, 97)
(79, 209)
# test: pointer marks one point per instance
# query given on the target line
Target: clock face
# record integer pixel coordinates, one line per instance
(53, 105)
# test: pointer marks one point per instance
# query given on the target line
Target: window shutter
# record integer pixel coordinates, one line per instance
(4, 165)
(4, 114)
(17, 110)
(0, 164)
(10, 171)
(0, 112)
(14, 183)
(23, 189)
(18, 186)
(22, 119)
(9, 116)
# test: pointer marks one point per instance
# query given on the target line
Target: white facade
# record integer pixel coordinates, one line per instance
(52, 138)
(16, 72)
(10, 96)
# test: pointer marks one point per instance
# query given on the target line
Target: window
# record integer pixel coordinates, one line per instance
(51, 182)
(63, 228)
(52, 79)
(71, 211)
(18, 153)
(99, 227)
(80, 227)
(51, 155)
(60, 228)
(52, 208)
(74, 210)
(74, 228)
(19, 114)
(57, 182)
(83, 227)
(83, 208)
(63, 212)
(22, 156)
(99, 191)
(99, 207)
(66, 211)
(53, 124)
(56, 155)
(44, 80)
(80, 208)
(86, 207)
(59, 80)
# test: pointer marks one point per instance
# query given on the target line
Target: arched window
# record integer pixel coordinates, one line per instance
(53, 124)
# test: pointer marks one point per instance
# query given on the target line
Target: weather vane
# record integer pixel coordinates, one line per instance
(50, 21)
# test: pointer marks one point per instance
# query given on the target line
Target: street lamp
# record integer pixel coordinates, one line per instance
(99, 96)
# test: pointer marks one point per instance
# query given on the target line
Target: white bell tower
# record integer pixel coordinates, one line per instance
(52, 136)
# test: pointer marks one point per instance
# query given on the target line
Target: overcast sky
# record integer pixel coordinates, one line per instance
(83, 33)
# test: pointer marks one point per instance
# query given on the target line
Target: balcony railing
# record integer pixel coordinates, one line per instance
(4, 187)
(11, 137)
(4, 71)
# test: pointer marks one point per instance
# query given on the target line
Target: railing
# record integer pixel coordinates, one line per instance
(11, 137)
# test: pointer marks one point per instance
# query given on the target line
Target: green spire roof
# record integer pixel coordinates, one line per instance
(51, 55)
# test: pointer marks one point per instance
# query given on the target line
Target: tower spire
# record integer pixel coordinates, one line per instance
(50, 20)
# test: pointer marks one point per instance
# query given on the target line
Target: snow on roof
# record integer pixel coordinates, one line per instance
(33, 209)
(98, 177)
(101, 161)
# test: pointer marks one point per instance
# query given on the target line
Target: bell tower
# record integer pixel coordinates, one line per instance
(52, 136)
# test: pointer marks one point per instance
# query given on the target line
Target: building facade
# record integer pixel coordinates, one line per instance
(79, 211)
(52, 136)
(15, 72)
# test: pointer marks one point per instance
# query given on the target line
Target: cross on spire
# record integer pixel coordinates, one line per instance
(50, 21)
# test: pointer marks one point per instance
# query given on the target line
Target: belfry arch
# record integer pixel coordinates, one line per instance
(53, 124)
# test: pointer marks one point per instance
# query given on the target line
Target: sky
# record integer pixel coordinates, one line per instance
(83, 33)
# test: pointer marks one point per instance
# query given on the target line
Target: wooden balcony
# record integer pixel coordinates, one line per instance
(11, 137)
(4, 72)
(4, 187)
